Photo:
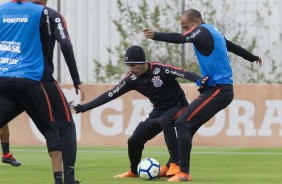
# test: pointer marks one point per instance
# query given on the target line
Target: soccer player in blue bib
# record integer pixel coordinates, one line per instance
(24, 48)
(211, 49)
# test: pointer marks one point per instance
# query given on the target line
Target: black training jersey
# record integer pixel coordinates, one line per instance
(158, 83)
(60, 33)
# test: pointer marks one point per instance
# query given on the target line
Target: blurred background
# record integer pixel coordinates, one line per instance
(101, 30)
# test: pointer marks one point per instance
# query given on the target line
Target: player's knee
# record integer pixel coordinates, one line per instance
(134, 140)
(179, 123)
(52, 148)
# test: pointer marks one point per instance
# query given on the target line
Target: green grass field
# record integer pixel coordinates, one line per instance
(98, 165)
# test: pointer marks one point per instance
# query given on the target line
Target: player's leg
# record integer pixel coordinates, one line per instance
(196, 114)
(35, 102)
(63, 118)
(167, 124)
(145, 131)
(8, 111)
(7, 156)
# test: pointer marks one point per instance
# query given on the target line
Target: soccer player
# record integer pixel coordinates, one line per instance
(158, 82)
(211, 49)
(58, 101)
(24, 47)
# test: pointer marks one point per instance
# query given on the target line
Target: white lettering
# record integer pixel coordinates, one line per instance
(141, 109)
(61, 30)
(273, 115)
(237, 118)
(9, 46)
(15, 19)
(217, 126)
(116, 120)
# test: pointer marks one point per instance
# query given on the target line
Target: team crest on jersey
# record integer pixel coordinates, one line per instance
(133, 77)
(156, 71)
(157, 82)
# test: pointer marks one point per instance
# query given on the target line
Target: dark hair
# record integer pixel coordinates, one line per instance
(192, 14)
(19, 1)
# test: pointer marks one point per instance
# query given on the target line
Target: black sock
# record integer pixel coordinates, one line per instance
(5, 148)
(68, 174)
(58, 176)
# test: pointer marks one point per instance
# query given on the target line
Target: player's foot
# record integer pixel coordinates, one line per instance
(173, 169)
(9, 159)
(180, 177)
(74, 182)
(128, 174)
(163, 171)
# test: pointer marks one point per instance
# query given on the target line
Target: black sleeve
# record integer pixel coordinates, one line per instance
(62, 36)
(45, 35)
(179, 72)
(199, 36)
(170, 37)
(236, 49)
(110, 95)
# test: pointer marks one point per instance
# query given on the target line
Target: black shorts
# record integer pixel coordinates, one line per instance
(60, 107)
(28, 95)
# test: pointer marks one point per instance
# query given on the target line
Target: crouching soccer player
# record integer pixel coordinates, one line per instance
(158, 82)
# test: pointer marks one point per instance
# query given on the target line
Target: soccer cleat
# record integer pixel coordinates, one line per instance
(163, 171)
(173, 169)
(180, 177)
(74, 182)
(10, 160)
(128, 174)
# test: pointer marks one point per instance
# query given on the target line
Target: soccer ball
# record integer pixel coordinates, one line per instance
(148, 169)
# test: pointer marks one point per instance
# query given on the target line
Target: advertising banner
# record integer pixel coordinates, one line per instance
(253, 119)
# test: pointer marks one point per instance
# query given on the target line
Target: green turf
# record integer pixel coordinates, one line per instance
(98, 165)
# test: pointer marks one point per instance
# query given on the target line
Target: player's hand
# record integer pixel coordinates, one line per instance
(149, 33)
(203, 84)
(82, 93)
(259, 61)
(78, 108)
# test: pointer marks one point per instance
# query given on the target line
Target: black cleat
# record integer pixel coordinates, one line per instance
(11, 160)
(78, 182)
(74, 182)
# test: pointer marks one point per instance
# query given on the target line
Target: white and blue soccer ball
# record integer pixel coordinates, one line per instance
(148, 169)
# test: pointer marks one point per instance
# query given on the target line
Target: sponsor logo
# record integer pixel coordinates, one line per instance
(7, 46)
(156, 71)
(110, 94)
(8, 61)
(133, 77)
(174, 73)
(10, 19)
(45, 11)
(177, 74)
(157, 82)
(117, 88)
(60, 28)
(3, 69)
(57, 20)
(198, 31)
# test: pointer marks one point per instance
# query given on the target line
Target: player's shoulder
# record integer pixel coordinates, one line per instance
(53, 14)
(158, 68)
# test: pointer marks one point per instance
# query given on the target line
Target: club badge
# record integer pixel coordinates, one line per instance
(157, 82)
